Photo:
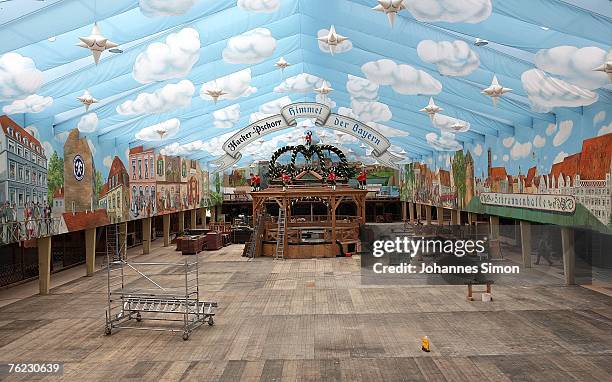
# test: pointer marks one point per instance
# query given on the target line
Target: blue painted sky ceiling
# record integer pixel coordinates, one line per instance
(176, 54)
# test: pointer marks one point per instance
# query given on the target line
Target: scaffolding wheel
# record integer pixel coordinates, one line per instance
(211, 321)
(185, 336)
(138, 317)
(107, 330)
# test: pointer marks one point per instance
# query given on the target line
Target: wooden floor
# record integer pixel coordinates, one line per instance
(312, 320)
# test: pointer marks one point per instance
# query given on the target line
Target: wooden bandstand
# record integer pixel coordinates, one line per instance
(307, 236)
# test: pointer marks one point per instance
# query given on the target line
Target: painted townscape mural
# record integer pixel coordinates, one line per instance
(556, 173)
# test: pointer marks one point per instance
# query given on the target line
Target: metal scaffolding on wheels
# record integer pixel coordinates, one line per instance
(154, 292)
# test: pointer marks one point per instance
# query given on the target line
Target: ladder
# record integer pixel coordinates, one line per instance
(114, 247)
(280, 237)
(257, 230)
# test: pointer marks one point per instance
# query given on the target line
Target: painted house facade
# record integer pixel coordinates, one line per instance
(23, 167)
(143, 185)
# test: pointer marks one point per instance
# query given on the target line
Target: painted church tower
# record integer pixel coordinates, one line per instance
(79, 174)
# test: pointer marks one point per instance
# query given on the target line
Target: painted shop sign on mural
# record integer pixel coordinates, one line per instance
(555, 203)
(288, 118)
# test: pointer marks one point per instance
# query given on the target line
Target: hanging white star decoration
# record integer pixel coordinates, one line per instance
(282, 64)
(431, 108)
(390, 8)
(332, 39)
(324, 89)
(606, 67)
(215, 92)
(96, 43)
(87, 99)
(495, 90)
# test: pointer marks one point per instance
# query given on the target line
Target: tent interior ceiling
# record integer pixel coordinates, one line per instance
(238, 43)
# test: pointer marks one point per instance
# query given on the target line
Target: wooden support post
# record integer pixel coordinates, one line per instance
(411, 212)
(494, 227)
(440, 213)
(455, 217)
(525, 243)
(192, 223)
(146, 236)
(428, 214)
(569, 255)
(181, 221)
(333, 204)
(166, 222)
(44, 264)
(418, 211)
(90, 251)
(404, 213)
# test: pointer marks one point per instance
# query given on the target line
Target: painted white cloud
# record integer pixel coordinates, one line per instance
(565, 130)
(605, 129)
(235, 85)
(575, 65)
(539, 141)
(443, 142)
(168, 98)
(301, 83)
(451, 58)
(560, 156)
(444, 122)
(599, 117)
(152, 133)
(452, 11)
(478, 150)
(343, 47)
(546, 92)
(270, 108)
(31, 104)
(172, 59)
(403, 79)
(227, 117)
(107, 161)
(508, 142)
(371, 111)
(185, 149)
(88, 123)
(260, 6)
(155, 8)
(361, 89)
(495, 157)
(251, 47)
(505, 158)
(520, 150)
(550, 130)
(18, 77)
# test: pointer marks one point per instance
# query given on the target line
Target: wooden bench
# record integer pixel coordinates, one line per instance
(470, 290)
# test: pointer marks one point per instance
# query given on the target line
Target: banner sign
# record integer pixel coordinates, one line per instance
(323, 118)
(555, 203)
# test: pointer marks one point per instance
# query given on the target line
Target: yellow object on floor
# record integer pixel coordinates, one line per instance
(425, 344)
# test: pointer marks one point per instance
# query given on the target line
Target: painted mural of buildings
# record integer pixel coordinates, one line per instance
(586, 175)
(143, 184)
(168, 179)
(115, 194)
(23, 167)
